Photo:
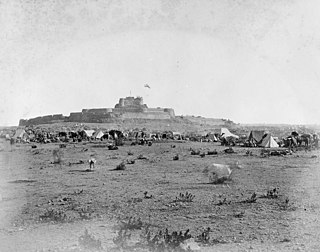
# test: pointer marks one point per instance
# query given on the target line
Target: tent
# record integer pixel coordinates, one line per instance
(226, 133)
(256, 136)
(98, 134)
(89, 133)
(210, 136)
(177, 135)
(268, 142)
(20, 133)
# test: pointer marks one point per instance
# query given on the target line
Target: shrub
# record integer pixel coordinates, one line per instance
(132, 161)
(229, 150)
(146, 196)
(164, 241)
(121, 240)
(223, 202)
(252, 199)
(53, 215)
(212, 152)
(193, 152)
(132, 223)
(286, 206)
(188, 197)
(271, 194)
(141, 157)
(87, 241)
(112, 147)
(85, 212)
(121, 167)
(204, 237)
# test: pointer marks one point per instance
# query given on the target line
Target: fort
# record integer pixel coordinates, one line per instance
(127, 108)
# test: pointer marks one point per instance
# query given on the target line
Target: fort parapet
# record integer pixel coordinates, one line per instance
(126, 108)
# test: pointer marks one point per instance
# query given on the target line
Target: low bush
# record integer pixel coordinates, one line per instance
(54, 215)
(252, 199)
(164, 241)
(87, 241)
(271, 194)
(188, 197)
(121, 167)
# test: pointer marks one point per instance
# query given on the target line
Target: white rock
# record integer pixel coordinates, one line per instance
(190, 244)
(220, 172)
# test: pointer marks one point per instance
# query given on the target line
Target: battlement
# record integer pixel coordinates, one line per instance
(131, 102)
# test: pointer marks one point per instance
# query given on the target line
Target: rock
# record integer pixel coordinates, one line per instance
(190, 245)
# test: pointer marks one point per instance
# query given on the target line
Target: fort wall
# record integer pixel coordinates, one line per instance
(126, 108)
(148, 115)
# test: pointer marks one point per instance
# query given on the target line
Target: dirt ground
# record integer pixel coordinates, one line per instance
(47, 207)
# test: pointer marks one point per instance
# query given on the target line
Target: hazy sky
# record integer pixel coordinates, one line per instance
(249, 61)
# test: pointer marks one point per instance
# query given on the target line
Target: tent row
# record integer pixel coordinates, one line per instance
(256, 138)
(259, 138)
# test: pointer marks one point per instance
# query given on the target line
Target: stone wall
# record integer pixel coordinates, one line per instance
(43, 120)
(95, 111)
(98, 118)
(75, 117)
(147, 115)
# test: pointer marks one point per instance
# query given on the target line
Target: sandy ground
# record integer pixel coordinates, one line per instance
(31, 186)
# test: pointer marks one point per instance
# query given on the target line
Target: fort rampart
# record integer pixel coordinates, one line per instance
(127, 108)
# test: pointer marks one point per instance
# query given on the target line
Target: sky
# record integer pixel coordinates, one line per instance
(250, 61)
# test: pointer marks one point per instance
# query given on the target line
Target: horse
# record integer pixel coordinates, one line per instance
(118, 136)
(304, 140)
(290, 142)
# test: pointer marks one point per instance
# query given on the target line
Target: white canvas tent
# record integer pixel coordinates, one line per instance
(89, 133)
(269, 142)
(98, 134)
(177, 135)
(226, 133)
(20, 133)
